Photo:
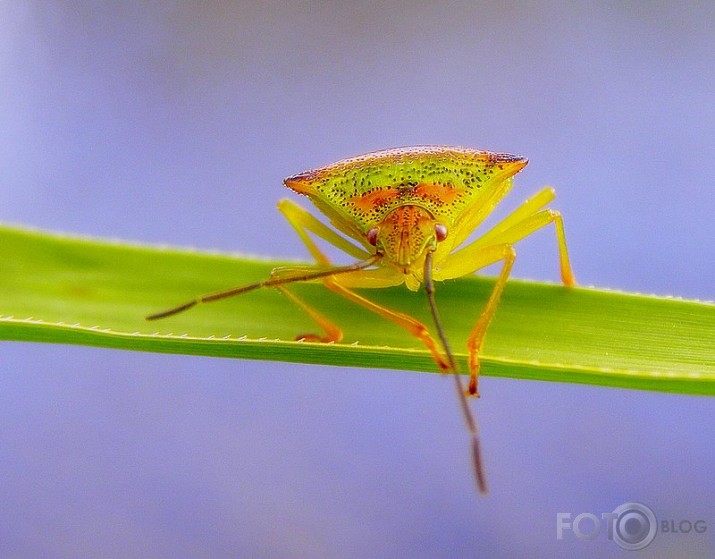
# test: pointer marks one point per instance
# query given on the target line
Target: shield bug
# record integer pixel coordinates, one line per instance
(410, 212)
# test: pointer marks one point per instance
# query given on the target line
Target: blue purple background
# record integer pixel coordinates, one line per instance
(171, 122)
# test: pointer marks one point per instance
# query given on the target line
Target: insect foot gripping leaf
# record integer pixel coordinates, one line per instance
(405, 214)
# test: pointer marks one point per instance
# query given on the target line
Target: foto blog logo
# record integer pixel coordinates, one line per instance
(632, 526)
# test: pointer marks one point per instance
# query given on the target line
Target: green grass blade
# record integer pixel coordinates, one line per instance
(79, 291)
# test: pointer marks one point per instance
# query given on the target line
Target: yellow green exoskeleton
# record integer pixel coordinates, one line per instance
(405, 215)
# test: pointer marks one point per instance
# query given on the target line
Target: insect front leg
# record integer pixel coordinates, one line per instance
(466, 262)
(382, 278)
(476, 337)
(303, 222)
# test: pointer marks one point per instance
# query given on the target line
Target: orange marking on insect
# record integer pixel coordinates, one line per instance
(441, 194)
(370, 200)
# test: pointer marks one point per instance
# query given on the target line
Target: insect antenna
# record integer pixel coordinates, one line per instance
(270, 282)
(466, 410)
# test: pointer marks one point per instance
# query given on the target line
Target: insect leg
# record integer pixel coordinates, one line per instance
(529, 207)
(464, 262)
(526, 227)
(333, 333)
(521, 223)
(412, 325)
(303, 221)
(476, 337)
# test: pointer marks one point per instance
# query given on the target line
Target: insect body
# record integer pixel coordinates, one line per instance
(410, 212)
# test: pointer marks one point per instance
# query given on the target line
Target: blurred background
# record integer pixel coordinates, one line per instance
(175, 123)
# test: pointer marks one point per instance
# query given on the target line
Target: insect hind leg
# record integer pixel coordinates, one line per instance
(522, 222)
(525, 220)
(532, 223)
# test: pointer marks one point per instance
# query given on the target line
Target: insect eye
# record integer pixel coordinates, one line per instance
(372, 236)
(440, 231)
